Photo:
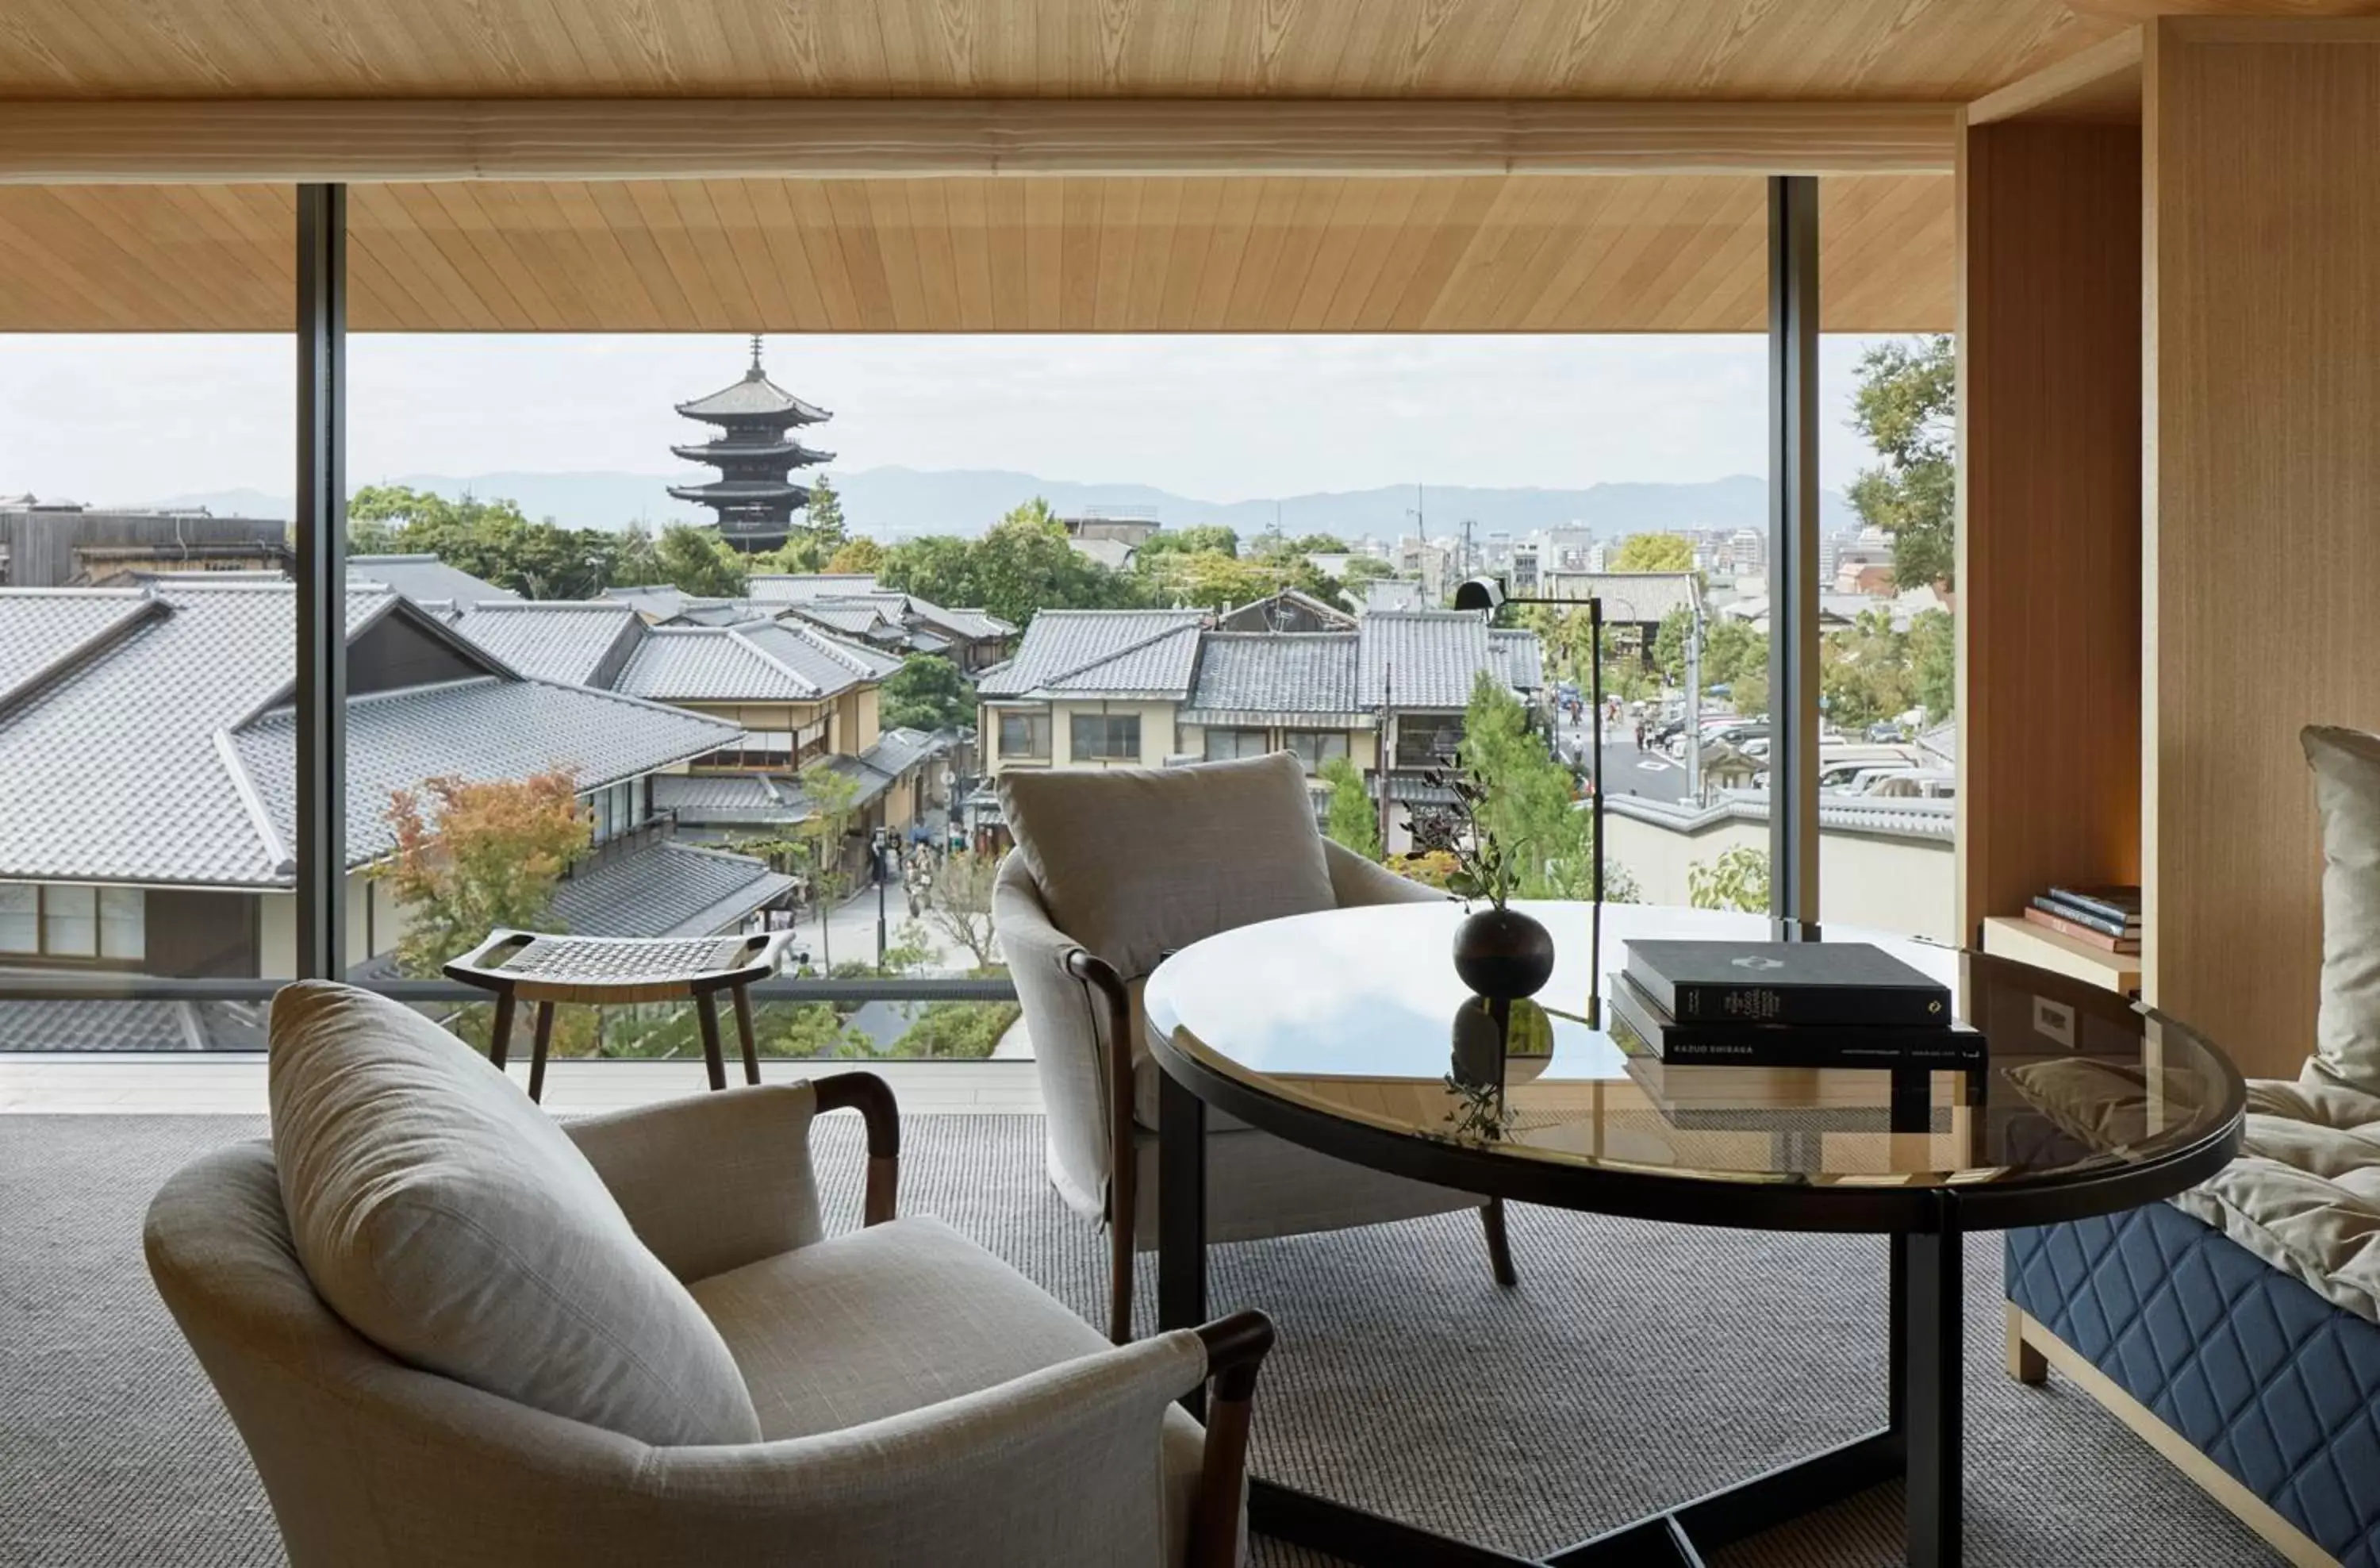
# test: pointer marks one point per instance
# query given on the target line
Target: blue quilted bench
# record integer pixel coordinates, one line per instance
(2276, 1386)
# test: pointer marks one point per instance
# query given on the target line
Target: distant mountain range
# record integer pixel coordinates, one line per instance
(894, 502)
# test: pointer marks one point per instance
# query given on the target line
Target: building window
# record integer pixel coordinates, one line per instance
(1425, 740)
(1222, 746)
(1025, 734)
(20, 918)
(70, 921)
(123, 927)
(1107, 737)
(1313, 748)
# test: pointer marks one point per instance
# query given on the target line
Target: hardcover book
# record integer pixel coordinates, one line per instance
(1936, 1048)
(1785, 982)
(2080, 931)
(2088, 919)
(2121, 905)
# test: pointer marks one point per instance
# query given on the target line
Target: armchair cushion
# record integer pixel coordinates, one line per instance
(452, 1222)
(899, 1316)
(1132, 862)
(2347, 789)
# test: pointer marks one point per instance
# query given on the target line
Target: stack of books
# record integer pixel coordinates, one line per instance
(1785, 1004)
(2106, 917)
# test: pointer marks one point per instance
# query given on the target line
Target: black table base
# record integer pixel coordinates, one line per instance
(1919, 1446)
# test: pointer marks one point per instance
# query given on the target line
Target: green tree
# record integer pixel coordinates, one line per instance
(1361, 569)
(959, 905)
(1207, 577)
(1350, 820)
(1531, 807)
(1907, 405)
(1653, 553)
(936, 567)
(861, 555)
(473, 855)
(811, 542)
(928, 693)
(1191, 541)
(1737, 880)
(1934, 660)
(1733, 651)
(1669, 645)
(1864, 671)
(831, 797)
(955, 1030)
(697, 561)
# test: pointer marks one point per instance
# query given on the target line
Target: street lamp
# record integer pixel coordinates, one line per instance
(1487, 594)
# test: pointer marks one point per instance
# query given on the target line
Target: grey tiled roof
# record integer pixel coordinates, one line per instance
(478, 730)
(901, 748)
(1392, 593)
(731, 798)
(665, 889)
(756, 661)
(1274, 673)
(48, 1025)
(784, 588)
(156, 759)
(655, 600)
(755, 393)
(1519, 659)
(424, 579)
(1420, 657)
(47, 626)
(852, 617)
(1628, 596)
(570, 641)
(1087, 651)
(966, 624)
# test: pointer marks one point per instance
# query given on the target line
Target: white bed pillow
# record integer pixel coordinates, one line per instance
(2347, 789)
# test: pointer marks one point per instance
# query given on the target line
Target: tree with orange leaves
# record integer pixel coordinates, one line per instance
(471, 857)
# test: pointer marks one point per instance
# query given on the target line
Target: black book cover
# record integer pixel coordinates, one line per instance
(2051, 903)
(1785, 982)
(2121, 904)
(1937, 1048)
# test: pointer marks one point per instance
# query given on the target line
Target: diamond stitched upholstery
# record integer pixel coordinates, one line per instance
(2259, 1373)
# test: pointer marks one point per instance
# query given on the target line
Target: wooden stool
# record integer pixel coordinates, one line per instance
(612, 971)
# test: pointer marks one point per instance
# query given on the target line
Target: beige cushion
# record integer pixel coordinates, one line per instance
(1133, 862)
(452, 1222)
(2347, 788)
(898, 1316)
(2305, 1194)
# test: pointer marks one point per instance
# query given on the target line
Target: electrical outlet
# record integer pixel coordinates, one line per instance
(2054, 1020)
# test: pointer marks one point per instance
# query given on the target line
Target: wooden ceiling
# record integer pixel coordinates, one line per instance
(1721, 49)
(1488, 253)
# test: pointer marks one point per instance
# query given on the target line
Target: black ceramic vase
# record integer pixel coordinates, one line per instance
(1502, 953)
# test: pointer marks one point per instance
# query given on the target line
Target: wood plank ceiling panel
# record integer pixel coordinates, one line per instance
(1482, 253)
(1747, 49)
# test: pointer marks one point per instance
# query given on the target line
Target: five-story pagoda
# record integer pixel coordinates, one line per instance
(755, 452)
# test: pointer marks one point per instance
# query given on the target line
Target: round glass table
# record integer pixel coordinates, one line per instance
(1348, 1032)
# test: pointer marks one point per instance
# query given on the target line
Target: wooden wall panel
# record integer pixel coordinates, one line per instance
(2049, 528)
(1276, 253)
(2264, 535)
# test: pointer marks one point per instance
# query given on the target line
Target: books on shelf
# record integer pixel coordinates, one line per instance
(1851, 983)
(2043, 914)
(1643, 1028)
(2112, 905)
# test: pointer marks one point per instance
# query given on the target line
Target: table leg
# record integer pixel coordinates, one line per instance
(500, 1034)
(744, 1029)
(538, 1049)
(1932, 1396)
(706, 1012)
(1181, 1214)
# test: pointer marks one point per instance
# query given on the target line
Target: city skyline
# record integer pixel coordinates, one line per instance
(1220, 419)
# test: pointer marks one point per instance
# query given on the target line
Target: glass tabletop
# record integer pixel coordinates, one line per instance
(1349, 1031)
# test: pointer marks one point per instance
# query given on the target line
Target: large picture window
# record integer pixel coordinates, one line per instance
(1106, 737)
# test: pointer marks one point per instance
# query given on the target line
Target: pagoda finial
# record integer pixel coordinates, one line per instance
(755, 353)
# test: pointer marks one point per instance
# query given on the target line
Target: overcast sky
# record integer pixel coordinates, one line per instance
(130, 419)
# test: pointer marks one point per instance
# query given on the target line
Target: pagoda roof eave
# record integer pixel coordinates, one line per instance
(794, 451)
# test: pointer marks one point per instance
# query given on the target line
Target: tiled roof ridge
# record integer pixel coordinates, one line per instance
(1194, 627)
(147, 607)
(682, 848)
(276, 854)
(832, 646)
(646, 704)
(611, 606)
(735, 635)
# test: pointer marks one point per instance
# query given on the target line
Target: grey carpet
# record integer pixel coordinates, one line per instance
(1638, 1365)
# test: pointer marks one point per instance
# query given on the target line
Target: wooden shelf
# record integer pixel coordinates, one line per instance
(2008, 936)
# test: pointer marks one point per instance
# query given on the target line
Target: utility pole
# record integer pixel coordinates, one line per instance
(1387, 679)
(1695, 699)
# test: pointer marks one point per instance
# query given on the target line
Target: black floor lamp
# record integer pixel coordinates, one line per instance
(1487, 594)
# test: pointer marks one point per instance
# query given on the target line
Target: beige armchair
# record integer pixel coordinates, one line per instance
(1151, 860)
(916, 1400)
